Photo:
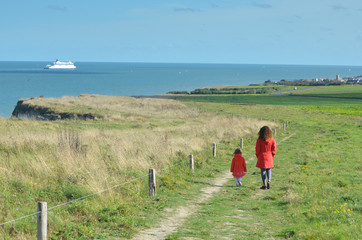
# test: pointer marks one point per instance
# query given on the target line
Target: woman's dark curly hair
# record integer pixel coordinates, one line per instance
(237, 151)
(265, 133)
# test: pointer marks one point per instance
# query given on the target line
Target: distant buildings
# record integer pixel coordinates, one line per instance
(318, 81)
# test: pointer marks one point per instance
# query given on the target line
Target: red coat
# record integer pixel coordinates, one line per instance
(265, 152)
(238, 166)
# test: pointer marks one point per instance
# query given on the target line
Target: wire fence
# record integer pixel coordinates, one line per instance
(92, 194)
(127, 182)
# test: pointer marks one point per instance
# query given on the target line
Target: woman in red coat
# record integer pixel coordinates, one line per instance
(265, 151)
(238, 167)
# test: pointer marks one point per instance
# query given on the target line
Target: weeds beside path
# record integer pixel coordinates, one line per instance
(173, 218)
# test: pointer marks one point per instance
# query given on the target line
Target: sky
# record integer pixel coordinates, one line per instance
(311, 32)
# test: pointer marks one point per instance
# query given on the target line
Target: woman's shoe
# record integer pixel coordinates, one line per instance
(263, 187)
(268, 186)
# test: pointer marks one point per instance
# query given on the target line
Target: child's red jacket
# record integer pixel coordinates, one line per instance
(238, 166)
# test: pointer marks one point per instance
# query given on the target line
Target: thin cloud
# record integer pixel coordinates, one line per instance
(181, 9)
(338, 8)
(57, 8)
(293, 19)
(326, 29)
(262, 5)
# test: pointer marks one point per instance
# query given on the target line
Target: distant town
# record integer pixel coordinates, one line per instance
(315, 82)
(272, 87)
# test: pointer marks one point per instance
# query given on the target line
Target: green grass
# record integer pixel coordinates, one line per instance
(343, 110)
(342, 92)
(117, 213)
(272, 100)
(315, 187)
(346, 90)
(338, 100)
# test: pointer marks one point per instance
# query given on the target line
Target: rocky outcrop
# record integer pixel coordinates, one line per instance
(24, 109)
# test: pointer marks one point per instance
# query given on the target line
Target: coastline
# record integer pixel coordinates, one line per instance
(29, 79)
(87, 106)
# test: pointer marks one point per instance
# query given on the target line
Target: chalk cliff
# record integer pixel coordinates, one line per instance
(25, 109)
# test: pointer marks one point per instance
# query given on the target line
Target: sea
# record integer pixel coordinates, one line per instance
(30, 79)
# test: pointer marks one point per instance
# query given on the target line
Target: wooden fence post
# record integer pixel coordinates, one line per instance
(42, 221)
(275, 131)
(287, 123)
(261, 118)
(191, 157)
(283, 126)
(214, 149)
(241, 143)
(152, 182)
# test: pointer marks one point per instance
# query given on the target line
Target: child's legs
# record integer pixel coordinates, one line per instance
(262, 172)
(268, 174)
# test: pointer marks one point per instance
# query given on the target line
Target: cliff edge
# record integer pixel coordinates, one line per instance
(25, 108)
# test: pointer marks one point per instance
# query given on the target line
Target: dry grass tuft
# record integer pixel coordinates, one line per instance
(135, 135)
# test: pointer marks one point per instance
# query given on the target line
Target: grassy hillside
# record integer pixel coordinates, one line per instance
(315, 188)
(316, 183)
(62, 161)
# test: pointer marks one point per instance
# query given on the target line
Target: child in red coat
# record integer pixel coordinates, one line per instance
(238, 167)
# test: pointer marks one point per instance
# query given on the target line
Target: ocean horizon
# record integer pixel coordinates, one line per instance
(25, 79)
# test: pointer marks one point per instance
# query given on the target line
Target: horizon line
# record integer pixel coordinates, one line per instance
(210, 63)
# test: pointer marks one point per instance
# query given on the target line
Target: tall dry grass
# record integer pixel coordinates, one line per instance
(96, 156)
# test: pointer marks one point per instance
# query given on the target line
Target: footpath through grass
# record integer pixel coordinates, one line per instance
(316, 182)
(315, 188)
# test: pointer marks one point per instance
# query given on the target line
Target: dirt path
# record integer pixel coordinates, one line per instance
(173, 218)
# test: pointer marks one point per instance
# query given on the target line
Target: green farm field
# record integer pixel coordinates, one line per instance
(347, 90)
(331, 99)
(353, 92)
(315, 183)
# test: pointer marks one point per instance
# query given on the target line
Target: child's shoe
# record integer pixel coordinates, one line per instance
(263, 187)
(268, 185)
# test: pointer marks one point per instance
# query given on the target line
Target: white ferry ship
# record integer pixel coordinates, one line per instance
(60, 65)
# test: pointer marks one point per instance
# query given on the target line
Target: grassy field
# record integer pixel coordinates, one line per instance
(315, 186)
(62, 161)
(347, 90)
(316, 183)
(338, 100)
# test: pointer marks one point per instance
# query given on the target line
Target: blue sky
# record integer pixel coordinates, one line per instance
(322, 32)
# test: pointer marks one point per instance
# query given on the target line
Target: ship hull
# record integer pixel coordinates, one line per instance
(60, 67)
